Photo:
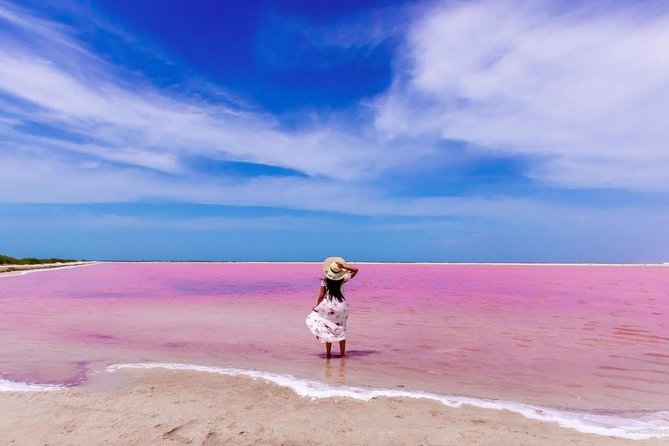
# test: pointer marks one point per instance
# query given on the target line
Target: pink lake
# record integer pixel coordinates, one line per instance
(587, 338)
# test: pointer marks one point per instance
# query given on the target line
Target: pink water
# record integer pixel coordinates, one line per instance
(591, 338)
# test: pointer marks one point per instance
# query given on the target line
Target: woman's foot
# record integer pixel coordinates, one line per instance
(328, 355)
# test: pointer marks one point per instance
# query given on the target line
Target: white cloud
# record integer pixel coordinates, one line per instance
(503, 90)
(78, 219)
(42, 178)
(47, 77)
(582, 88)
(147, 121)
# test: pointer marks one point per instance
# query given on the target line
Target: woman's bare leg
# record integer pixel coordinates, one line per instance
(328, 349)
(342, 348)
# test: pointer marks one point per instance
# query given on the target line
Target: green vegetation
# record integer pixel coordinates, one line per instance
(8, 260)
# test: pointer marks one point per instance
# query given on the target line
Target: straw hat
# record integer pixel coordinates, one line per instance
(331, 270)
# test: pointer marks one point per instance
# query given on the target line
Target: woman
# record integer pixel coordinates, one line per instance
(327, 321)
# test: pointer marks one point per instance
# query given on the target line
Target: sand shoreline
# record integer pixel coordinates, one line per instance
(186, 407)
(5, 269)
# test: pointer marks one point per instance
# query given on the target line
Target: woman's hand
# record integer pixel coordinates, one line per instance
(345, 266)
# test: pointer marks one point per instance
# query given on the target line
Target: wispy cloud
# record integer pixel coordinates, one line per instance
(47, 78)
(580, 91)
(326, 45)
(580, 87)
(51, 181)
(575, 92)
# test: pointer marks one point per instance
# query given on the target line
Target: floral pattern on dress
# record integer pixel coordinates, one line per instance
(327, 321)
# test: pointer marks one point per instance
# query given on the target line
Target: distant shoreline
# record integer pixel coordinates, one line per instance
(8, 269)
(385, 263)
(11, 270)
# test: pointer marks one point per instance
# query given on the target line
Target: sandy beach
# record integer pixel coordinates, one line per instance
(143, 407)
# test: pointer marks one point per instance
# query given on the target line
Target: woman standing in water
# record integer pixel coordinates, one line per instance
(327, 321)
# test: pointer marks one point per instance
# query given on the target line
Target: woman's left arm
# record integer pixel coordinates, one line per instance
(321, 295)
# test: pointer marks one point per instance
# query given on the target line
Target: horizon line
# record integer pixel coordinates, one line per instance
(389, 262)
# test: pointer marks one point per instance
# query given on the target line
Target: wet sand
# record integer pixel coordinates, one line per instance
(147, 407)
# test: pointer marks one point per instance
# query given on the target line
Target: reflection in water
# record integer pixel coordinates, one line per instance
(341, 370)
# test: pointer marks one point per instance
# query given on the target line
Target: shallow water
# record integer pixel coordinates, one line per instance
(586, 338)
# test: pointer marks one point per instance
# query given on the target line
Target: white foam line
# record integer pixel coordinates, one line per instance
(16, 386)
(584, 422)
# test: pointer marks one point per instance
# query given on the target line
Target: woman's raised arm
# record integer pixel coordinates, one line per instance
(351, 268)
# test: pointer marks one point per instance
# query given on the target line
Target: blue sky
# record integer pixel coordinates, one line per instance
(295, 130)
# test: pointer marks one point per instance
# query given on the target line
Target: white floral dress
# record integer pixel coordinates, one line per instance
(327, 321)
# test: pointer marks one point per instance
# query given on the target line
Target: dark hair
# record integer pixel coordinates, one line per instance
(334, 289)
